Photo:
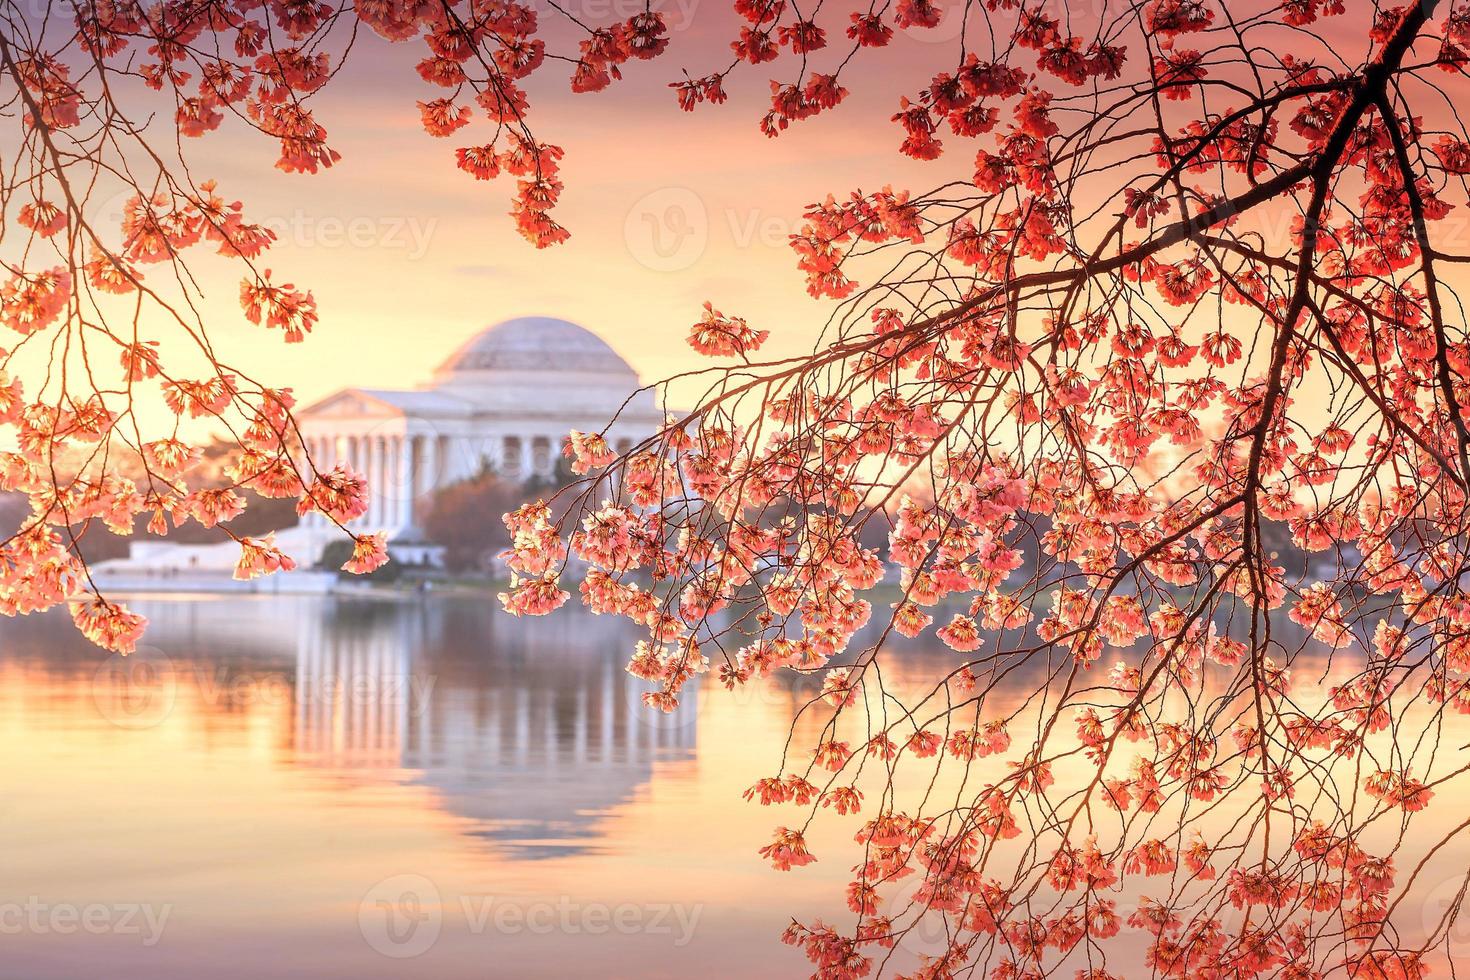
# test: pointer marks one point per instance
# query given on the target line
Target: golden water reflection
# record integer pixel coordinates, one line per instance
(271, 770)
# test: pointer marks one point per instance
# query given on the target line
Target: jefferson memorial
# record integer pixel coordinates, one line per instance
(504, 401)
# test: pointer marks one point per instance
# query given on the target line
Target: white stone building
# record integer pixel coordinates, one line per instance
(505, 400)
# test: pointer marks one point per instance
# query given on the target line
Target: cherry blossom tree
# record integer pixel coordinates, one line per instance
(1157, 410)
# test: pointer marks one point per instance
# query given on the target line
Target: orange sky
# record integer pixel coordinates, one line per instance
(407, 256)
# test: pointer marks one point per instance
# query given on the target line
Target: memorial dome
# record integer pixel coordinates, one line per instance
(534, 344)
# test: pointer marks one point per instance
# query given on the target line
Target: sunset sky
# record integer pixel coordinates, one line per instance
(408, 257)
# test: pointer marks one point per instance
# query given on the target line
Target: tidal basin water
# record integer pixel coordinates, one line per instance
(315, 787)
(320, 788)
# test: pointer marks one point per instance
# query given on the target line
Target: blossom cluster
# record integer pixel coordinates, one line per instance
(1154, 439)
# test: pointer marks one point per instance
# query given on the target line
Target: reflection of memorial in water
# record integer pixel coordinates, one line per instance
(526, 732)
(530, 730)
(355, 687)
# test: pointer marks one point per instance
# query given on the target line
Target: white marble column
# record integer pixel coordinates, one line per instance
(390, 482)
(384, 497)
(509, 456)
(426, 478)
(390, 489)
(375, 481)
(402, 483)
(406, 482)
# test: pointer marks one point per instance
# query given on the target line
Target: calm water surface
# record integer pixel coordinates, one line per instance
(313, 787)
(320, 788)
